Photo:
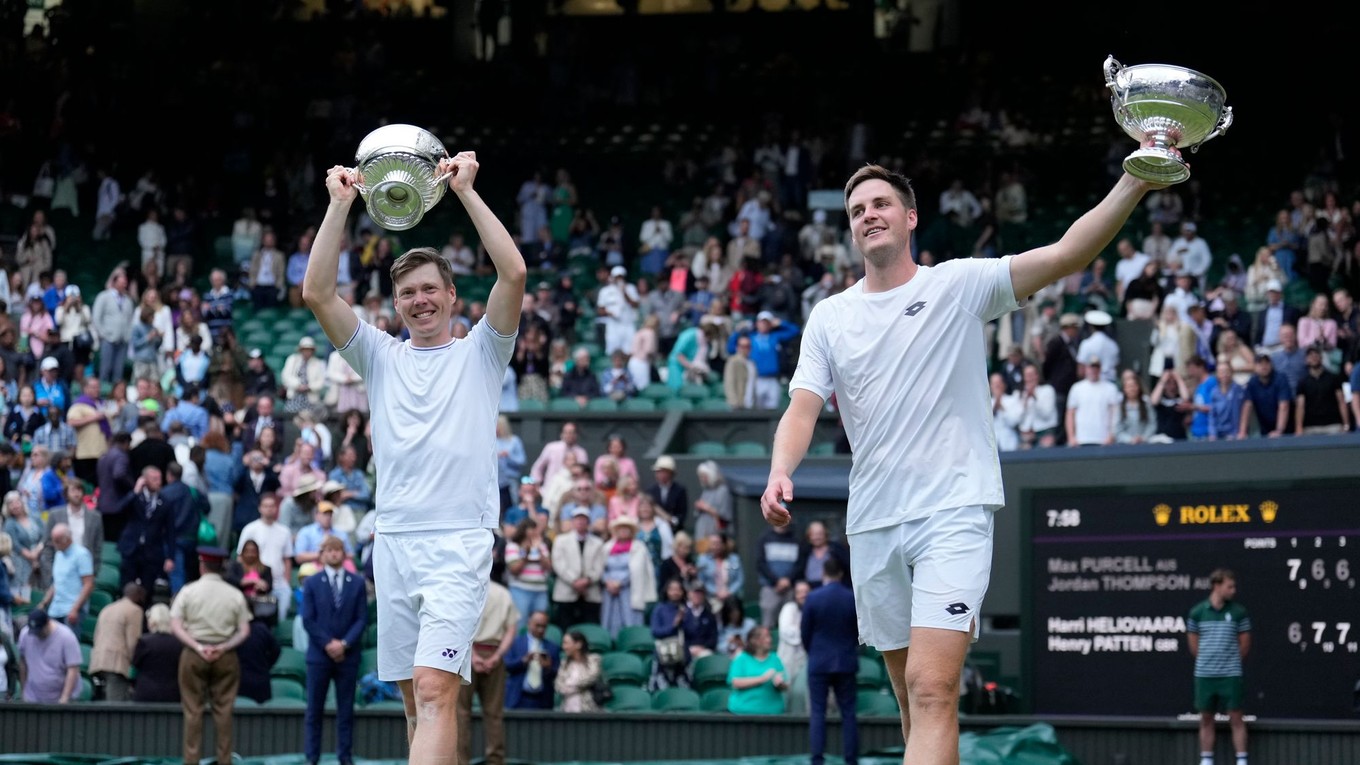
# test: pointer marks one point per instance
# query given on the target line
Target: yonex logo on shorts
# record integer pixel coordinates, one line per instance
(449, 653)
(956, 608)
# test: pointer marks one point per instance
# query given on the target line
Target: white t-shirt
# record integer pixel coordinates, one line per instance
(1128, 269)
(275, 542)
(433, 412)
(910, 377)
(1093, 406)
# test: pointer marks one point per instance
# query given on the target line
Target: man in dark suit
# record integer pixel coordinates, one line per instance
(1266, 323)
(114, 473)
(256, 481)
(830, 634)
(666, 493)
(186, 512)
(148, 540)
(259, 418)
(334, 614)
(153, 451)
(1060, 363)
(523, 690)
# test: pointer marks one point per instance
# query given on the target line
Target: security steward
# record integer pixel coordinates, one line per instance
(211, 618)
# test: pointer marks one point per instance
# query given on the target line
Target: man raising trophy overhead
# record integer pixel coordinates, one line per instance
(434, 402)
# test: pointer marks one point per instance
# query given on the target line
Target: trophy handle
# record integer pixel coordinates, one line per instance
(1224, 123)
(1112, 70)
(359, 187)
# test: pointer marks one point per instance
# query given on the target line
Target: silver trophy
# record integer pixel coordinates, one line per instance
(399, 178)
(1165, 107)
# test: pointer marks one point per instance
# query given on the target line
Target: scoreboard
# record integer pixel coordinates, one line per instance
(1112, 574)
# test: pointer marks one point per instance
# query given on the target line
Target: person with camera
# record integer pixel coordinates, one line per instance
(76, 323)
(531, 666)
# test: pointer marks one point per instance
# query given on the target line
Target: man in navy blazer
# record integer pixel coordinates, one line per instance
(830, 634)
(334, 620)
(530, 647)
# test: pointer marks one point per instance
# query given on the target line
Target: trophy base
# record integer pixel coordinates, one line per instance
(1156, 165)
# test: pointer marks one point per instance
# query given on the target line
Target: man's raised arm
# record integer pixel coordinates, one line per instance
(318, 286)
(506, 300)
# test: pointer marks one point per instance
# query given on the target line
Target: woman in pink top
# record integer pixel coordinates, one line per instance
(1316, 326)
(617, 450)
(625, 500)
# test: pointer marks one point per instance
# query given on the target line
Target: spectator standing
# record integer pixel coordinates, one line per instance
(210, 618)
(671, 498)
(1269, 397)
(713, 508)
(578, 559)
(579, 673)
(791, 650)
(113, 320)
(1320, 404)
(777, 554)
(1091, 406)
(156, 659)
(72, 579)
(116, 635)
(335, 615)
(767, 350)
(628, 577)
(49, 660)
(491, 642)
(831, 638)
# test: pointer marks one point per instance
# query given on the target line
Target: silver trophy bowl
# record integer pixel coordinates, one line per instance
(1165, 107)
(399, 178)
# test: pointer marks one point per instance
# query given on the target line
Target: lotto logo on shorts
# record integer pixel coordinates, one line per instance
(956, 609)
(449, 653)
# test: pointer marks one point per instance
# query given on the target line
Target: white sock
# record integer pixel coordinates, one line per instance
(1241, 758)
(1206, 758)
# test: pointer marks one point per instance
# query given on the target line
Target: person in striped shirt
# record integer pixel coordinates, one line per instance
(1218, 631)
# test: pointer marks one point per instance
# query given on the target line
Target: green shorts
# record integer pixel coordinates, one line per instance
(1218, 694)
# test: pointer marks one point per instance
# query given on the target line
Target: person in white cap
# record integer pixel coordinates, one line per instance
(1099, 343)
(902, 351)
(433, 402)
(1266, 323)
(616, 307)
(767, 352)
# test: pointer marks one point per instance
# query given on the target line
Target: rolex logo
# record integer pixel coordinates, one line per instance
(1268, 510)
(1162, 513)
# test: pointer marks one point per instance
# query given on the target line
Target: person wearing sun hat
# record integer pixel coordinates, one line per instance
(303, 376)
(629, 577)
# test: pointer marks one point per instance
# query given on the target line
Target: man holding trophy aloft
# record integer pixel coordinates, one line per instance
(434, 402)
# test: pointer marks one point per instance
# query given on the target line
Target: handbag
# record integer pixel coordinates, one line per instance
(670, 651)
(265, 608)
(601, 692)
(83, 341)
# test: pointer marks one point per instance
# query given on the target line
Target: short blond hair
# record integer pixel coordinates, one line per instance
(158, 618)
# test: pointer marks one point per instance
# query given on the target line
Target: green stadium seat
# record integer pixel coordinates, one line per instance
(871, 675)
(708, 449)
(822, 449)
(87, 624)
(387, 704)
(86, 690)
(749, 449)
(875, 704)
(283, 631)
(676, 699)
(288, 688)
(368, 661)
(712, 405)
(564, 405)
(246, 702)
(596, 636)
(286, 702)
(714, 700)
(637, 405)
(98, 600)
(656, 392)
(371, 635)
(108, 579)
(110, 555)
(636, 639)
(85, 651)
(532, 405)
(677, 405)
(602, 405)
(624, 669)
(694, 392)
(711, 671)
(291, 665)
(629, 699)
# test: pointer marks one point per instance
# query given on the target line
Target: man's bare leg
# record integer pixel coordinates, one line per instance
(932, 673)
(896, 663)
(431, 699)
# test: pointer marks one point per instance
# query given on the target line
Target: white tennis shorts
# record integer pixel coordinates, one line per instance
(431, 589)
(931, 572)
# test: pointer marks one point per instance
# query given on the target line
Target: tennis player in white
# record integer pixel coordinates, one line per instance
(903, 352)
(433, 403)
